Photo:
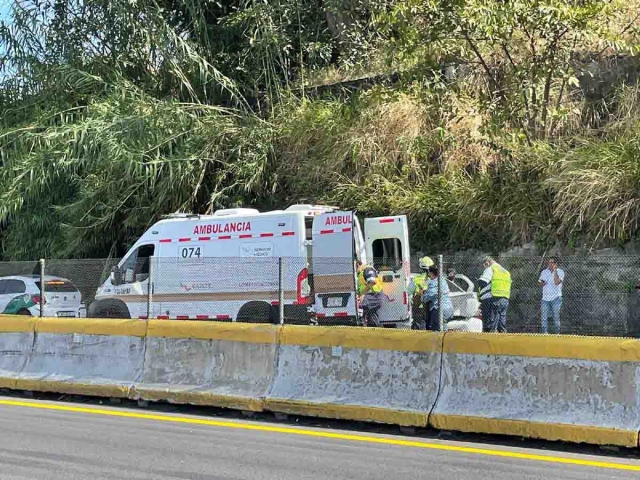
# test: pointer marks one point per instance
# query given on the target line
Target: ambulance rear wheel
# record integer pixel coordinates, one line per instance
(256, 312)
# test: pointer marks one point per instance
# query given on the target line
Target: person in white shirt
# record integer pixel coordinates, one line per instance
(551, 280)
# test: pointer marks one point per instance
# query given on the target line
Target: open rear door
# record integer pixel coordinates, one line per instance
(333, 267)
(387, 241)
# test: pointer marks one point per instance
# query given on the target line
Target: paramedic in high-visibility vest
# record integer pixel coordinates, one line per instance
(417, 286)
(369, 294)
(495, 290)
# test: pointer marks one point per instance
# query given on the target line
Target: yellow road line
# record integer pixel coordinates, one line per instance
(322, 434)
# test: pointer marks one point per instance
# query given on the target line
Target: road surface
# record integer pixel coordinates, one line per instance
(55, 440)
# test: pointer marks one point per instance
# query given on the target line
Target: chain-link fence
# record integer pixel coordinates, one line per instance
(586, 295)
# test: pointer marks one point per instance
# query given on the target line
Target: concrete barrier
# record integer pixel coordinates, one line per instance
(385, 376)
(16, 341)
(207, 363)
(84, 357)
(555, 388)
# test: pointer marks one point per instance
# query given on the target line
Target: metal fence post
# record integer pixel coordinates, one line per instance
(150, 289)
(440, 310)
(281, 290)
(42, 287)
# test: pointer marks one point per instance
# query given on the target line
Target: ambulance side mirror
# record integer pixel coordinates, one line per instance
(128, 275)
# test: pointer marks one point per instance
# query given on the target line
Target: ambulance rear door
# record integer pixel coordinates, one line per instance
(387, 244)
(333, 267)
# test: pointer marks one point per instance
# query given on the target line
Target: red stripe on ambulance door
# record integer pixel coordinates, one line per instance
(187, 239)
(266, 235)
(387, 220)
(204, 239)
(325, 232)
(246, 236)
(224, 237)
(345, 230)
(288, 234)
(165, 240)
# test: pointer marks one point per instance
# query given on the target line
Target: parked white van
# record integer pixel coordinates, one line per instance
(225, 266)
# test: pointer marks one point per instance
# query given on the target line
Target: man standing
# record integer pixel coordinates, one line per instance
(551, 280)
(495, 290)
(417, 286)
(369, 294)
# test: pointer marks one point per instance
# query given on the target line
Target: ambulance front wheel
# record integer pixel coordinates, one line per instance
(108, 309)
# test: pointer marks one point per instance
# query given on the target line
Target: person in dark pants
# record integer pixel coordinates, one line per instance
(370, 295)
(417, 286)
(495, 290)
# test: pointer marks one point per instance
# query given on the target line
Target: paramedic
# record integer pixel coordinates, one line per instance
(369, 294)
(417, 286)
(495, 290)
(430, 298)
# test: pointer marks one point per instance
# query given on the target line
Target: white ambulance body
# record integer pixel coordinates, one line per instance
(226, 266)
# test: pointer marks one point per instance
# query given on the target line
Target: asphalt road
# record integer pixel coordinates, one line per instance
(79, 441)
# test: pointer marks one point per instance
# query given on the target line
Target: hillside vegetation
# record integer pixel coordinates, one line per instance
(488, 122)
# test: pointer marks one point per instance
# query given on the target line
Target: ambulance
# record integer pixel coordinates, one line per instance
(229, 266)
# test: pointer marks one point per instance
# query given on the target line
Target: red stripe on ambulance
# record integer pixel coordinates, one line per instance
(325, 232)
(266, 235)
(165, 240)
(288, 234)
(387, 220)
(246, 236)
(186, 239)
(204, 239)
(224, 237)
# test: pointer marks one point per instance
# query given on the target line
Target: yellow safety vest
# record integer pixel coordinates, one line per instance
(420, 282)
(500, 282)
(362, 285)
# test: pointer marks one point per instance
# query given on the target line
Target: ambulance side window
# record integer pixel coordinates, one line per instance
(136, 267)
(387, 254)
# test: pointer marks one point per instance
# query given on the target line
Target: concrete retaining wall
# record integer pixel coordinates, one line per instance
(205, 363)
(556, 388)
(16, 342)
(84, 357)
(384, 376)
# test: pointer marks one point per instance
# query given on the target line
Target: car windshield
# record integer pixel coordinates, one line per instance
(57, 286)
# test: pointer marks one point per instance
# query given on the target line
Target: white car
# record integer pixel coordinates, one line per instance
(466, 307)
(21, 295)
